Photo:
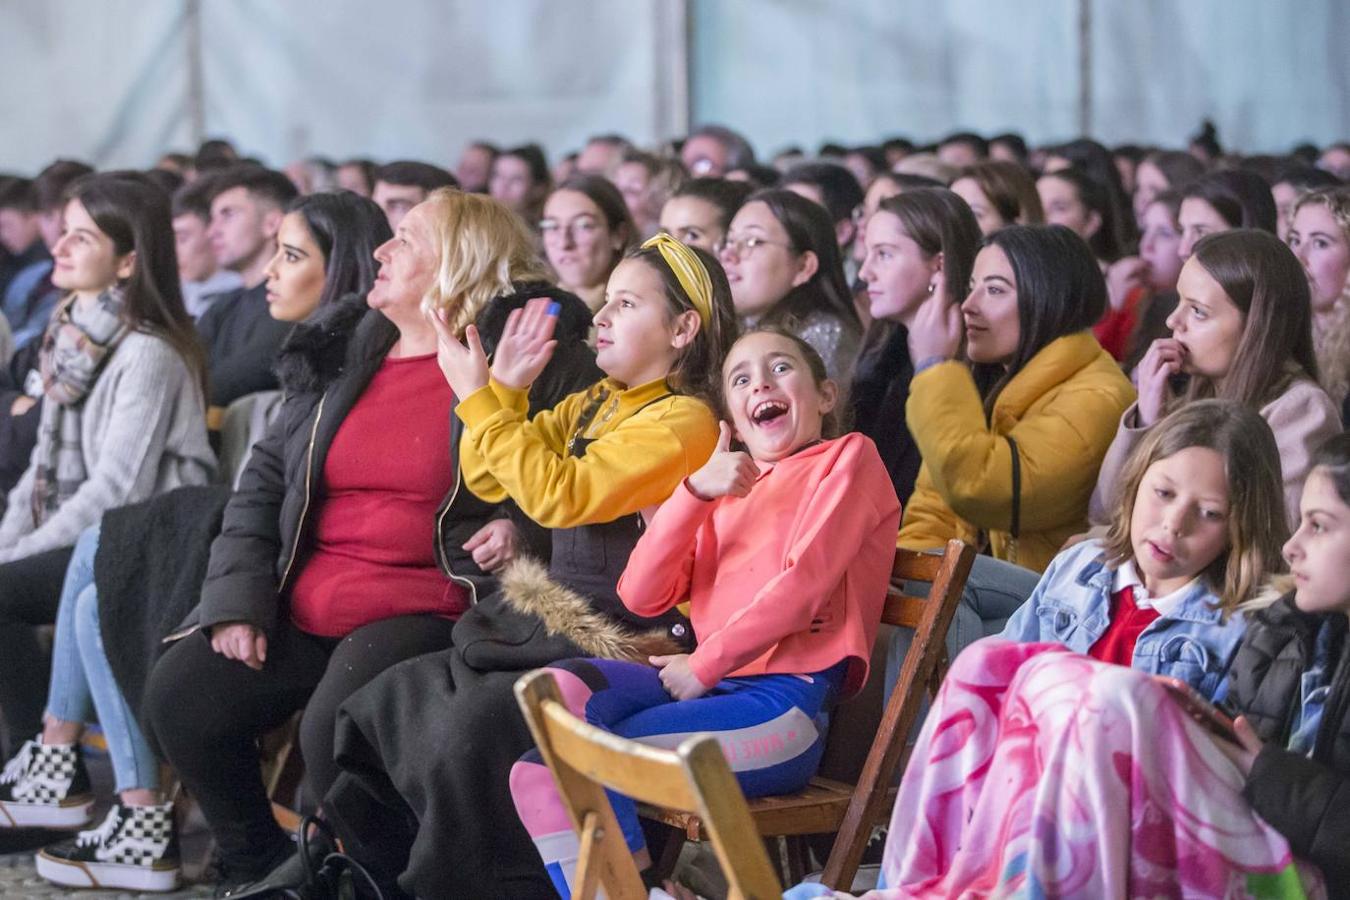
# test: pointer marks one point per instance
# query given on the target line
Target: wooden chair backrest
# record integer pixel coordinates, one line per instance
(930, 618)
(693, 778)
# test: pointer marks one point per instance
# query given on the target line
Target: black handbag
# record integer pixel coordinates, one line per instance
(1015, 529)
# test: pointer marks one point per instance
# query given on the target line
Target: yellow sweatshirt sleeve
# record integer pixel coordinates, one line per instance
(550, 425)
(637, 463)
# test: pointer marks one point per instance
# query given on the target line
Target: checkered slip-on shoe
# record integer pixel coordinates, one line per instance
(135, 849)
(45, 786)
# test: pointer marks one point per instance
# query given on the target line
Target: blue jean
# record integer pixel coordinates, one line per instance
(993, 592)
(82, 685)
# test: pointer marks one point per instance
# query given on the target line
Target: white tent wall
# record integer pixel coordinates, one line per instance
(109, 80)
(1268, 74)
(100, 80)
(797, 72)
(803, 71)
(418, 79)
(112, 81)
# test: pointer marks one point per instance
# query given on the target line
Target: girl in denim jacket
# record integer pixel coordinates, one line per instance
(1198, 526)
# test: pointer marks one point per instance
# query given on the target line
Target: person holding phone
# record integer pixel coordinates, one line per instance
(1190, 540)
(1106, 783)
(1290, 681)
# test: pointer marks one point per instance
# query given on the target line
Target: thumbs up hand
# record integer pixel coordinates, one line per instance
(726, 473)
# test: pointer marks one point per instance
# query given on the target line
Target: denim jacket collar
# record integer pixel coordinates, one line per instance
(1193, 607)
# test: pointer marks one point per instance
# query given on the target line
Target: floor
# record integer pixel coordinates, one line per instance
(18, 874)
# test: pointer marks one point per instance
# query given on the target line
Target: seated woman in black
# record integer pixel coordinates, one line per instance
(350, 544)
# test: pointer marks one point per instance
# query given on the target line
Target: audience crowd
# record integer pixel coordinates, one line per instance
(356, 445)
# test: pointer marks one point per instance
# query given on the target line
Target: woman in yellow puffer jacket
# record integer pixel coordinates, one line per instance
(1013, 464)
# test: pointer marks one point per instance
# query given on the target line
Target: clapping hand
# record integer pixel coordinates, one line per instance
(463, 363)
(727, 471)
(526, 345)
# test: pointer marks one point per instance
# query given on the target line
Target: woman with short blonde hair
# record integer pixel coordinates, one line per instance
(485, 250)
(352, 543)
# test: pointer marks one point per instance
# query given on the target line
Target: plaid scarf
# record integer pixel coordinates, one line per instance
(74, 350)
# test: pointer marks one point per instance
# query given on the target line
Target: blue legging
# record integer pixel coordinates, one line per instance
(771, 727)
(83, 687)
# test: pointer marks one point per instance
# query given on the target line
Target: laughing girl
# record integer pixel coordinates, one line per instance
(784, 620)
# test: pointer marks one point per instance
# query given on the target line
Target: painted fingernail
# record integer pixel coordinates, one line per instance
(554, 308)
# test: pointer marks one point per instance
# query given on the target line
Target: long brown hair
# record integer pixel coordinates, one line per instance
(1266, 282)
(939, 221)
(808, 227)
(134, 213)
(1257, 527)
(1011, 190)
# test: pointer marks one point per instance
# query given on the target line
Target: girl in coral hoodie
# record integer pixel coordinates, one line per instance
(783, 551)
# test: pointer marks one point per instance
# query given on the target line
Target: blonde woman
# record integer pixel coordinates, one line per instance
(1319, 235)
(350, 544)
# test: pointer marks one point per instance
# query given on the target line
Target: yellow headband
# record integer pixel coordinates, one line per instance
(689, 271)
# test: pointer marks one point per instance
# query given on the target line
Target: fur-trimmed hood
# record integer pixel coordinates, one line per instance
(527, 588)
(348, 332)
(314, 353)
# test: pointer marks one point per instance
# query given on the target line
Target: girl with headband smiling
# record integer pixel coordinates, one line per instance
(587, 469)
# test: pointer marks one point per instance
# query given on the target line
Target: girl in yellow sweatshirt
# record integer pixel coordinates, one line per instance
(589, 466)
(437, 737)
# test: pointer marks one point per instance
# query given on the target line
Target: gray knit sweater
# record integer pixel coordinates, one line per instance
(143, 431)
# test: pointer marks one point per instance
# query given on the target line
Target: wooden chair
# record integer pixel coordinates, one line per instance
(283, 771)
(694, 777)
(826, 805)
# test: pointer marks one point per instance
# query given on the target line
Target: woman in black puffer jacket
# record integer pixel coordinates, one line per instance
(350, 544)
(1290, 679)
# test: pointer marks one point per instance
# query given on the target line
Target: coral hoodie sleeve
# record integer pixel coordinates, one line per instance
(636, 464)
(661, 566)
(854, 504)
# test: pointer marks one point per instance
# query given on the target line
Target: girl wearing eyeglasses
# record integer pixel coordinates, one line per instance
(786, 271)
(586, 230)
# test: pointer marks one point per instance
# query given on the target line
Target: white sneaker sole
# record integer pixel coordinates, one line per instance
(106, 875)
(71, 814)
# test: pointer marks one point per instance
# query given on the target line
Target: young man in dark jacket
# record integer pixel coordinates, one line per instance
(241, 337)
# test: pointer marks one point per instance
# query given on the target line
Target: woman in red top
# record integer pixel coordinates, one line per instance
(350, 544)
